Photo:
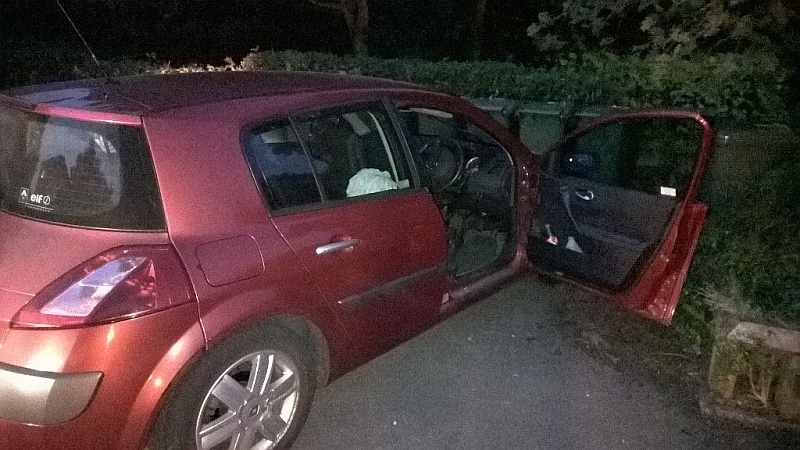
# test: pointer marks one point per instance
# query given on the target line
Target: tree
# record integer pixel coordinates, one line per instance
(671, 27)
(477, 27)
(356, 16)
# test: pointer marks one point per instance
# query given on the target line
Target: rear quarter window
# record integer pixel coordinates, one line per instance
(88, 174)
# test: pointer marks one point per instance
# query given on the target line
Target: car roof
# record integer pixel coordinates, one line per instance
(142, 94)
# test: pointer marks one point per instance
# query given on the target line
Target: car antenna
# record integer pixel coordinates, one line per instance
(86, 44)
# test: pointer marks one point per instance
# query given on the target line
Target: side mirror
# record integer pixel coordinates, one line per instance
(577, 164)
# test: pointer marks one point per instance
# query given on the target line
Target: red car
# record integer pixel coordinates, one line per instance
(186, 258)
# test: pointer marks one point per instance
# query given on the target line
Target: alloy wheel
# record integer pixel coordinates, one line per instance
(251, 404)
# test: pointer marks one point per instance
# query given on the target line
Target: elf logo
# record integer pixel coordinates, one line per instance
(39, 199)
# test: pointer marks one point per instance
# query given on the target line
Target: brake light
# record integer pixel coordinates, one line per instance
(120, 284)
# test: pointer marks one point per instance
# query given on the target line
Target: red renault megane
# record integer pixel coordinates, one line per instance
(185, 258)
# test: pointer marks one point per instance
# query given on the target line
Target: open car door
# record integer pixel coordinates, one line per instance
(617, 208)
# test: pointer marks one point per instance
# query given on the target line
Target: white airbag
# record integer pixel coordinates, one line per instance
(368, 181)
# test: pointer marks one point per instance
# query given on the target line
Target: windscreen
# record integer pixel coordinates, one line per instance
(88, 174)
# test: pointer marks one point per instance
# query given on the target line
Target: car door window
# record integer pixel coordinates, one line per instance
(595, 155)
(326, 156)
(286, 174)
(664, 156)
(360, 149)
(652, 155)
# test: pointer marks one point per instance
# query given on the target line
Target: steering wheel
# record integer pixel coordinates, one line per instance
(444, 161)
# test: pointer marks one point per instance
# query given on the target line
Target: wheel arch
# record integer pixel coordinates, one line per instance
(306, 331)
(310, 334)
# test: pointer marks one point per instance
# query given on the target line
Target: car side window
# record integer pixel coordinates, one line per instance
(361, 150)
(326, 156)
(282, 167)
(595, 155)
(426, 124)
(653, 155)
(664, 155)
(442, 144)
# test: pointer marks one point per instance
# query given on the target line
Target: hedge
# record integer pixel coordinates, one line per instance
(738, 87)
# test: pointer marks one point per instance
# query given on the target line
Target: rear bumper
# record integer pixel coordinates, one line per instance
(44, 398)
(95, 387)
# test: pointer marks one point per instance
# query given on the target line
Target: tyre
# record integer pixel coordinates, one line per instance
(252, 391)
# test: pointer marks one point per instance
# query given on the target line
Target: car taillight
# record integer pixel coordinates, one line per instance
(120, 284)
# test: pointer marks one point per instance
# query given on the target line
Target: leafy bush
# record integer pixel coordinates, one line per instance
(751, 250)
(655, 27)
(30, 61)
(728, 86)
(748, 260)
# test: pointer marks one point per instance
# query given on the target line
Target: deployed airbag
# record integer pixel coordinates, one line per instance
(368, 181)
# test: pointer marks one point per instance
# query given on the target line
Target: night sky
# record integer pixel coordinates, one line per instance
(207, 31)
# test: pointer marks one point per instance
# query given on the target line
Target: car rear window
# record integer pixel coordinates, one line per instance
(88, 174)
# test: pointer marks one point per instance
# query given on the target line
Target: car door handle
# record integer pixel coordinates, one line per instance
(584, 194)
(337, 246)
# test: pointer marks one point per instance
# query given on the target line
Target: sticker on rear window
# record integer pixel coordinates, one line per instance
(672, 192)
(37, 201)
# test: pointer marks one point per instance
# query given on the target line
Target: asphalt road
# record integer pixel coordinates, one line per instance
(508, 372)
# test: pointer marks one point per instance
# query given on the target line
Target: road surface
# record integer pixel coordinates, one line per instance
(509, 372)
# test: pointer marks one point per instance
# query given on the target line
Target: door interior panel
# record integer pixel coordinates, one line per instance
(607, 267)
(607, 250)
(625, 214)
(609, 196)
